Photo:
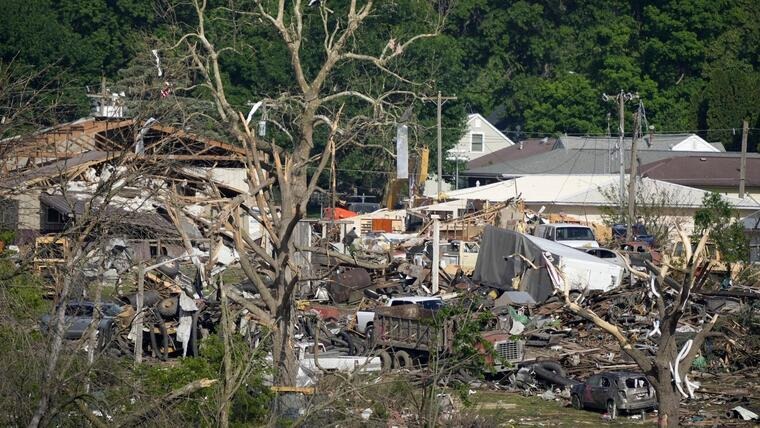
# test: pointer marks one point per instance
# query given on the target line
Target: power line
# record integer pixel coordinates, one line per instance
(370, 171)
(539, 134)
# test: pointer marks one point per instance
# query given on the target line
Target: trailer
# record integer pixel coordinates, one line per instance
(408, 333)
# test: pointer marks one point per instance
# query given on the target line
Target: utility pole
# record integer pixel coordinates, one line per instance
(439, 100)
(743, 166)
(632, 174)
(620, 99)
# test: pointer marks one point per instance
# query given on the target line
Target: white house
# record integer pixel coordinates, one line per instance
(584, 195)
(480, 139)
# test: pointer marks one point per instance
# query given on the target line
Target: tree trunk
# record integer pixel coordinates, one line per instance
(92, 340)
(285, 365)
(227, 388)
(668, 404)
(668, 399)
(48, 381)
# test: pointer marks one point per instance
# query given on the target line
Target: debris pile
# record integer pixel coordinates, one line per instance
(377, 295)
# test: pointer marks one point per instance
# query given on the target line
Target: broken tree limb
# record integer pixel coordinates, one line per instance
(697, 345)
(166, 401)
(644, 363)
(668, 280)
(251, 273)
(629, 268)
(344, 258)
(261, 315)
(686, 243)
(87, 413)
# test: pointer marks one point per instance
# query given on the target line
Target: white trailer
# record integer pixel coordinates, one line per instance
(583, 271)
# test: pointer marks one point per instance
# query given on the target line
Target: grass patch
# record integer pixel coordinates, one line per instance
(513, 409)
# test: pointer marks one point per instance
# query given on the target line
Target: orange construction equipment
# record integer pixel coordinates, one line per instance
(340, 214)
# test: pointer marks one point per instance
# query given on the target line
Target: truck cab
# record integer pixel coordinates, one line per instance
(572, 235)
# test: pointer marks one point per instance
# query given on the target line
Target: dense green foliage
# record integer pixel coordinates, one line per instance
(250, 405)
(539, 66)
(717, 216)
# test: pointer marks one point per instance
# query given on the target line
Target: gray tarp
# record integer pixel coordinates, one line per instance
(494, 271)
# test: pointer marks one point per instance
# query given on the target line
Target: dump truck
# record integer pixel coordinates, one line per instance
(407, 333)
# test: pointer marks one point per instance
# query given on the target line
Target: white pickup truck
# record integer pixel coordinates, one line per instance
(310, 367)
(365, 319)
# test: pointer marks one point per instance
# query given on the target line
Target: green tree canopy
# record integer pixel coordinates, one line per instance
(717, 216)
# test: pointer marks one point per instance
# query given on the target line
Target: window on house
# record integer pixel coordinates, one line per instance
(8, 214)
(158, 250)
(476, 143)
(54, 216)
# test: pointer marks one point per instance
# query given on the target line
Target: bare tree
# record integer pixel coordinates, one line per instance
(654, 206)
(86, 228)
(668, 367)
(24, 104)
(284, 173)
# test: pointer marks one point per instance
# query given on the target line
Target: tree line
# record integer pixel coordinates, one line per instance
(536, 67)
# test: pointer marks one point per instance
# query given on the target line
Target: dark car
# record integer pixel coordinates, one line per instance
(639, 232)
(613, 391)
(79, 316)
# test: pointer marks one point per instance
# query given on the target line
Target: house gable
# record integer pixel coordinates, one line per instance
(481, 138)
(693, 143)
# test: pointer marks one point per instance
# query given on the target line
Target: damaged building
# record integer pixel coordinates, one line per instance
(52, 176)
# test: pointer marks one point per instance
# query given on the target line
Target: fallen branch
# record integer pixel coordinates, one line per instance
(87, 413)
(165, 402)
(344, 258)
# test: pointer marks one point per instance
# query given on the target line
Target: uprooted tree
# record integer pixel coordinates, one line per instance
(343, 89)
(668, 366)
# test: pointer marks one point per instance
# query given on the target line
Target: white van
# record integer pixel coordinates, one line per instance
(572, 235)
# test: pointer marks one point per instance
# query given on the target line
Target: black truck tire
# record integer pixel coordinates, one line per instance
(150, 298)
(164, 341)
(168, 307)
(369, 332)
(193, 342)
(575, 400)
(349, 341)
(105, 335)
(402, 360)
(612, 409)
(170, 269)
(386, 362)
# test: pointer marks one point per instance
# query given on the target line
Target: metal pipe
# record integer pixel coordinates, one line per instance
(436, 252)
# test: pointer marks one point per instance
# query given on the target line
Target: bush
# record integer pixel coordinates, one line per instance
(250, 404)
